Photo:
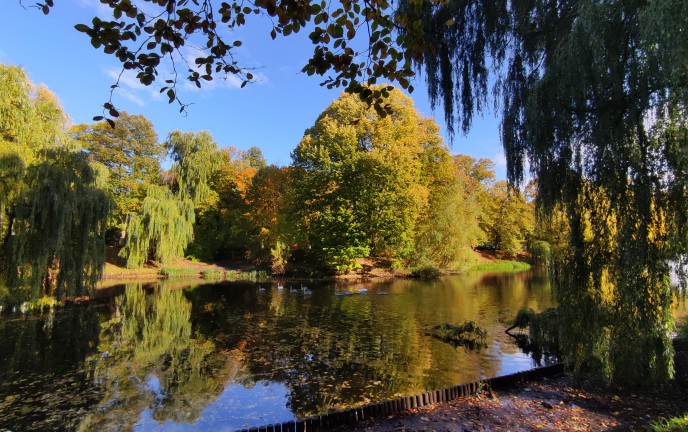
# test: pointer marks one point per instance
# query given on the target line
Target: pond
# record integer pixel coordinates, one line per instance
(227, 356)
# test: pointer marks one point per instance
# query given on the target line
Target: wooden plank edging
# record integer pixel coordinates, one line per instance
(351, 417)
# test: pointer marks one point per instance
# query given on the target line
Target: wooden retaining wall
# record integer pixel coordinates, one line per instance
(353, 416)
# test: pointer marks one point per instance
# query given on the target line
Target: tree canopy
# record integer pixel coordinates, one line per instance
(131, 153)
(379, 186)
(53, 203)
(593, 101)
(165, 225)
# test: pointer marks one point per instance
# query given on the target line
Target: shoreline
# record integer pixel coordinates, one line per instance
(549, 404)
(238, 270)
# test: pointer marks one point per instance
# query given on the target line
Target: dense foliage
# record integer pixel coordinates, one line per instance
(386, 187)
(53, 202)
(132, 154)
(594, 100)
(361, 186)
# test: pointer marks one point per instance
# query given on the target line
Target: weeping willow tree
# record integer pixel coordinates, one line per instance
(195, 157)
(53, 205)
(165, 225)
(59, 231)
(593, 97)
(162, 229)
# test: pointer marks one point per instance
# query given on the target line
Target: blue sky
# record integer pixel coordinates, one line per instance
(271, 114)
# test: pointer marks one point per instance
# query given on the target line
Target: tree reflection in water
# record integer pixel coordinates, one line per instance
(149, 359)
(231, 355)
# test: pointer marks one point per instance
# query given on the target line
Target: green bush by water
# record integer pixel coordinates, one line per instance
(540, 252)
(213, 274)
(425, 271)
(468, 335)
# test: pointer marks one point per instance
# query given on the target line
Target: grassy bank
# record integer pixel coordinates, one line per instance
(501, 266)
(180, 268)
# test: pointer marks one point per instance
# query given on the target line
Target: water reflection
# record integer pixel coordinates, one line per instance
(148, 360)
(231, 356)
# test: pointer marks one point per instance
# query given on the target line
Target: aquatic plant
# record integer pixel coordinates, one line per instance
(468, 335)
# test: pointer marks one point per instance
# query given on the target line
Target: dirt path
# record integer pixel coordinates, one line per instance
(546, 405)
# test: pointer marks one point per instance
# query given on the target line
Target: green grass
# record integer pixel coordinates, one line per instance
(501, 266)
(213, 274)
(175, 272)
(676, 424)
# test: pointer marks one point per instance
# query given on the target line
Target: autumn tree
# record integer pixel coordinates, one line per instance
(449, 224)
(508, 219)
(223, 227)
(367, 185)
(268, 201)
(593, 97)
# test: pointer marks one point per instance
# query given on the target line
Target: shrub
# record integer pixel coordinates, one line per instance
(675, 424)
(343, 259)
(280, 255)
(501, 266)
(425, 271)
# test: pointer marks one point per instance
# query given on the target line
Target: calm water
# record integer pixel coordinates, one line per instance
(226, 356)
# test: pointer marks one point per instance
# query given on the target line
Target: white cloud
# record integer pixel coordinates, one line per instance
(100, 8)
(130, 96)
(499, 159)
(219, 81)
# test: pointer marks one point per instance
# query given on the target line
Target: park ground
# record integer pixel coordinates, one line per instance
(545, 405)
